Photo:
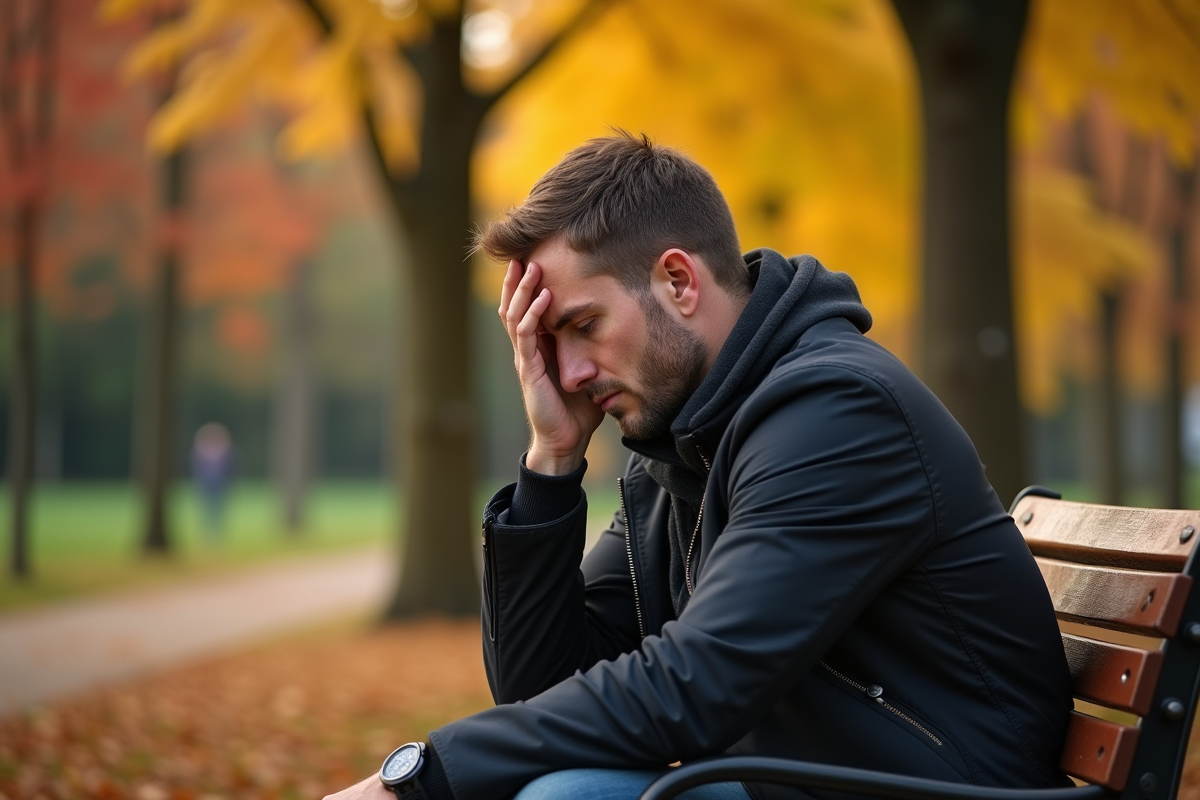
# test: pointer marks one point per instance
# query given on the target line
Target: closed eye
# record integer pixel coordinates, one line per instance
(586, 327)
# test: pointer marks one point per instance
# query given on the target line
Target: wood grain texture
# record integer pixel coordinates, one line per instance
(1098, 751)
(1111, 674)
(1140, 538)
(1141, 602)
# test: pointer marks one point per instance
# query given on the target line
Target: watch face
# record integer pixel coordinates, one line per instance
(401, 764)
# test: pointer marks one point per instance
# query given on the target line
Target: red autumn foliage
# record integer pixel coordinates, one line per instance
(92, 175)
(248, 220)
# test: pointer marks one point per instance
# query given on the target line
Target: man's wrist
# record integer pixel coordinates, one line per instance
(540, 498)
(546, 463)
(433, 778)
(414, 772)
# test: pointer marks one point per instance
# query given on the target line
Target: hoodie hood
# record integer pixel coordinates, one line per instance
(790, 295)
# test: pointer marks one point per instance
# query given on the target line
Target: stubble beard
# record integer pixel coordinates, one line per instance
(672, 362)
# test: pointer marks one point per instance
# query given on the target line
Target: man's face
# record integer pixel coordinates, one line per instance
(623, 350)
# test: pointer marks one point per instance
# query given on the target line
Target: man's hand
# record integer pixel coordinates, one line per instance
(367, 789)
(562, 422)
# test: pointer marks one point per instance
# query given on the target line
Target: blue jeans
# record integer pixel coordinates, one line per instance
(616, 784)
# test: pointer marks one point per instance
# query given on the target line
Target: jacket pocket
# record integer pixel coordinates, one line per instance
(876, 695)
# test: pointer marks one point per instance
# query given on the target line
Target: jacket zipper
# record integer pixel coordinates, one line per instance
(687, 561)
(490, 570)
(875, 692)
(637, 600)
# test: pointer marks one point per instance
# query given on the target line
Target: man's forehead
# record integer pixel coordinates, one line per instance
(563, 270)
(557, 259)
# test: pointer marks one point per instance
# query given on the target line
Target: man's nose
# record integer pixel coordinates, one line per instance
(575, 370)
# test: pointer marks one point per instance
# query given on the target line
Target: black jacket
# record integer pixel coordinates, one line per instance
(857, 594)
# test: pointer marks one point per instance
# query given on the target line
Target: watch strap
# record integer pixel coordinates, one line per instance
(412, 790)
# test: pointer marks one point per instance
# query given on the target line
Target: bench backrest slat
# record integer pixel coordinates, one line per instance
(1149, 603)
(1142, 538)
(1110, 569)
(1099, 751)
(1111, 674)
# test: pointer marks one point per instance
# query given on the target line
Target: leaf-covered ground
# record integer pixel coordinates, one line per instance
(293, 719)
(296, 718)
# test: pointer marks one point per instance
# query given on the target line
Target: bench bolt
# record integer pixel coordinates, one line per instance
(1191, 633)
(1173, 709)
(1186, 534)
(1027, 518)
(1148, 783)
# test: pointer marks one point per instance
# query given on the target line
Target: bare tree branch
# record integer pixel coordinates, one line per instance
(1188, 33)
(325, 23)
(591, 9)
(377, 153)
(319, 16)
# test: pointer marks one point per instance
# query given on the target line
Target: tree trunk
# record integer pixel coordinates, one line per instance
(1126, 203)
(23, 404)
(163, 367)
(965, 55)
(1109, 445)
(295, 400)
(437, 441)
(26, 120)
(438, 426)
(437, 461)
(1174, 474)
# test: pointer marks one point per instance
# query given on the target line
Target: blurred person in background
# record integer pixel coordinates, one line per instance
(808, 560)
(212, 465)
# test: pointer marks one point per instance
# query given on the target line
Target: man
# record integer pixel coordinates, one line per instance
(808, 560)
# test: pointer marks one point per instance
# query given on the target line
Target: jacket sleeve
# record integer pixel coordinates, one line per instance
(544, 615)
(826, 501)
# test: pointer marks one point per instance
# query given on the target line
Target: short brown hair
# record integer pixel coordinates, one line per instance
(622, 201)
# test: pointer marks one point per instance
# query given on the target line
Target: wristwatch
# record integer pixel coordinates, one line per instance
(400, 770)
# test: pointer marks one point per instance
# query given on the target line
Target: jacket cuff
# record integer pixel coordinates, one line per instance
(433, 777)
(539, 499)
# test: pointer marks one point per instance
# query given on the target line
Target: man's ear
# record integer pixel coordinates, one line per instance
(676, 280)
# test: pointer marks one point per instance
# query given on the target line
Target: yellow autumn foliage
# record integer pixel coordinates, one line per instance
(804, 110)
(271, 50)
(831, 172)
(1144, 56)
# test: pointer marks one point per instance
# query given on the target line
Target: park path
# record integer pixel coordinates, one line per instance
(50, 652)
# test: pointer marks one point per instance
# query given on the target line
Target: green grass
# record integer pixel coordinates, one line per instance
(85, 537)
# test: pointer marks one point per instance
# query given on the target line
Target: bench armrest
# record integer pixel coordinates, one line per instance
(759, 769)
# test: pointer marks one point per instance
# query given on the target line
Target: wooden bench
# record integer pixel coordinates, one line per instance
(1120, 579)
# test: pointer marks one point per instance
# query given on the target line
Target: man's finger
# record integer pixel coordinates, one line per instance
(523, 295)
(511, 278)
(527, 330)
